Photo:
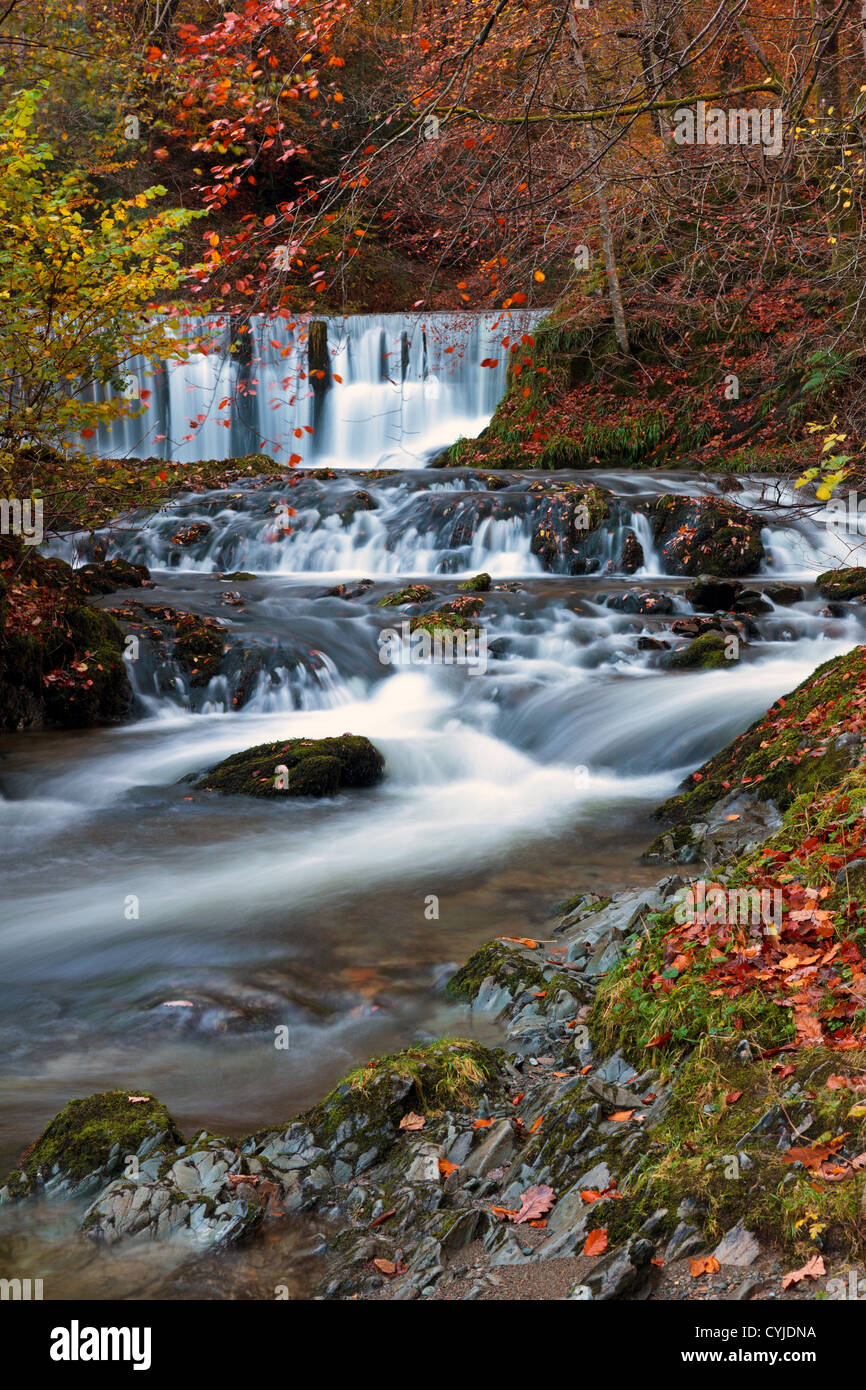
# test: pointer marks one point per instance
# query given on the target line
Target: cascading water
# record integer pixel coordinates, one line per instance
(396, 388)
(505, 788)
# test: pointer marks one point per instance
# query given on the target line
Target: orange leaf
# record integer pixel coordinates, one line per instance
(707, 1264)
(596, 1242)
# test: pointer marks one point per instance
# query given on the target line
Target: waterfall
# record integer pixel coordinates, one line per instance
(401, 387)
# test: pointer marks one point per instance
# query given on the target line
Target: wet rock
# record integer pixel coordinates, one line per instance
(706, 535)
(632, 556)
(785, 594)
(311, 767)
(647, 601)
(496, 1149)
(842, 584)
(752, 601)
(737, 1247)
(712, 595)
(349, 591)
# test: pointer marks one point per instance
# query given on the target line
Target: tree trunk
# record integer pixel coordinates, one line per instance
(607, 246)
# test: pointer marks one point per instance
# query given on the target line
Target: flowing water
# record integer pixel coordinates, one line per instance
(153, 938)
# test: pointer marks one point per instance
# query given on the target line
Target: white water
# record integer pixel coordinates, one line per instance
(410, 384)
(503, 790)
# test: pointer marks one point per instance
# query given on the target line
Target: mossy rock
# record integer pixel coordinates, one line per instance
(698, 1150)
(316, 767)
(415, 593)
(447, 1075)
(93, 1135)
(478, 584)
(705, 653)
(109, 575)
(508, 967)
(199, 646)
(700, 535)
(442, 621)
(102, 692)
(842, 584)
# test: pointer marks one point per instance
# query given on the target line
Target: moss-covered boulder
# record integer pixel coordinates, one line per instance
(314, 767)
(413, 593)
(507, 965)
(442, 621)
(478, 584)
(842, 584)
(700, 535)
(109, 575)
(442, 1076)
(565, 525)
(199, 646)
(89, 1142)
(705, 653)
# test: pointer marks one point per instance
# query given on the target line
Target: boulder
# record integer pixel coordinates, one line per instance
(315, 767)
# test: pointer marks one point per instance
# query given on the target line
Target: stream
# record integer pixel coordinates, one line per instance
(507, 788)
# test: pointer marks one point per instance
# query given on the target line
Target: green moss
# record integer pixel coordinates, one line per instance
(413, 593)
(80, 1138)
(842, 584)
(442, 621)
(508, 967)
(478, 584)
(790, 750)
(199, 646)
(316, 767)
(448, 1074)
(696, 1150)
(705, 653)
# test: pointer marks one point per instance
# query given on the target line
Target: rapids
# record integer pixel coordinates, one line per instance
(153, 938)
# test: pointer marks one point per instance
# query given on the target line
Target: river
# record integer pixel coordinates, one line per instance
(507, 789)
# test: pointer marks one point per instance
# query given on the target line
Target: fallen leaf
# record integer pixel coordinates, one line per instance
(537, 1124)
(815, 1155)
(813, 1270)
(445, 1168)
(482, 1124)
(534, 1202)
(596, 1242)
(622, 1115)
(386, 1267)
(412, 1121)
(705, 1264)
(384, 1217)
(732, 1097)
